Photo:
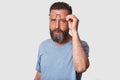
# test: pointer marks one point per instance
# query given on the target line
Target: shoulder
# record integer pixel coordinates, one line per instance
(84, 43)
(85, 46)
(45, 43)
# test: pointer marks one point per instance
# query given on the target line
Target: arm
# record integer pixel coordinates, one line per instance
(37, 76)
(80, 59)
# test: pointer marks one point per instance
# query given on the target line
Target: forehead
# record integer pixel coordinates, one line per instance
(62, 12)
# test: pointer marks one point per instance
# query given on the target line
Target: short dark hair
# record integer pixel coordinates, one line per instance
(61, 5)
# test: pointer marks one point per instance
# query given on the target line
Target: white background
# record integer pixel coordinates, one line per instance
(24, 24)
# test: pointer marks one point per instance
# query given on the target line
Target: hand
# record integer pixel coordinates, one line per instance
(72, 22)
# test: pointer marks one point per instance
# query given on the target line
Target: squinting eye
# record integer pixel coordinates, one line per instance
(53, 20)
(63, 21)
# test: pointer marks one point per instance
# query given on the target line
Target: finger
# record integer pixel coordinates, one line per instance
(71, 17)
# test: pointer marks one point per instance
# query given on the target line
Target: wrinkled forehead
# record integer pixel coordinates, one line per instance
(58, 13)
(57, 16)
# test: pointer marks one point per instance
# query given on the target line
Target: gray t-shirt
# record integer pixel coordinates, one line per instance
(55, 62)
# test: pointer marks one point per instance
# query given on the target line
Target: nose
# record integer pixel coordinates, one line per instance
(57, 24)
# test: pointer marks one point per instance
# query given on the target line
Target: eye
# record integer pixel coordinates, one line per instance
(53, 20)
(63, 21)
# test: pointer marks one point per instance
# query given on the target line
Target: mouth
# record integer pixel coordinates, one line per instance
(57, 32)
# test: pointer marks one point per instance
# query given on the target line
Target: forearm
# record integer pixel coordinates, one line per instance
(80, 58)
(37, 76)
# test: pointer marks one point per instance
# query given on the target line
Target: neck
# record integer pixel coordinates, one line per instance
(69, 38)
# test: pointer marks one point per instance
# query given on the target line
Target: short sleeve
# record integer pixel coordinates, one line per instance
(85, 47)
(40, 52)
(38, 67)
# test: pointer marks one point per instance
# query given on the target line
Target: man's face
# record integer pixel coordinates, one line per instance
(58, 25)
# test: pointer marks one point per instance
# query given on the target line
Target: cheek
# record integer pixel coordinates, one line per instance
(61, 27)
(51, 26)
(64, 28)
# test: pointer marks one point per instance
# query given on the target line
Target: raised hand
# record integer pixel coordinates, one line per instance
(73, 22)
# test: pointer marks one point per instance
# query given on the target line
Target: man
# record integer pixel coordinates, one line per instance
(64, 56)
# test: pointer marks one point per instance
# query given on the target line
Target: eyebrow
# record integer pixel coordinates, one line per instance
(55, 16)
(59, 19)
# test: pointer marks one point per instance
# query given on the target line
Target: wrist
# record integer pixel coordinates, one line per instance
(74, 32)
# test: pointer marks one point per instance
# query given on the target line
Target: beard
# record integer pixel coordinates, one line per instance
(60, 37)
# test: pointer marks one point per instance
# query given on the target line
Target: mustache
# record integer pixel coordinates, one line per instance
(57, 30)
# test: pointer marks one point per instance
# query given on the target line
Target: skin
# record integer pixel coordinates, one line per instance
(80, 59)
